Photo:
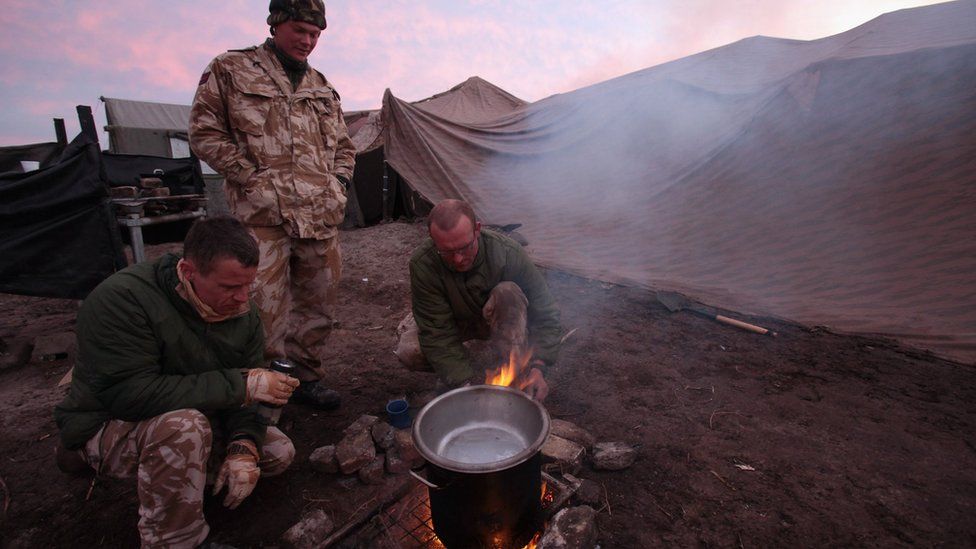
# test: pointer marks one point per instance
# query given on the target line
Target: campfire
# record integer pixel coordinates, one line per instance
(511, 374)
(407, 523)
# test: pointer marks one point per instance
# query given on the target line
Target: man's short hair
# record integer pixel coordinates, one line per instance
(447, 213)
(219, 237)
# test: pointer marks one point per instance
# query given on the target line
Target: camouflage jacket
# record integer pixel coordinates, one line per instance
(143, 351)
(447, 305)
(280, 151)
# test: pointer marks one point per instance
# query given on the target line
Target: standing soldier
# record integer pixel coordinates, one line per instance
(273, 127)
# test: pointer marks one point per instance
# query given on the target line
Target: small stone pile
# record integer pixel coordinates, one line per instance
(569, 446)
(369, 448)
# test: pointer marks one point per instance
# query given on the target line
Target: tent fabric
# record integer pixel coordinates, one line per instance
(829, 182)
(58, 236)
(143, 127)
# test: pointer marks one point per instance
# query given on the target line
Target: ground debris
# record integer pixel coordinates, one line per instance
(613, 456)
(308, 532)
(571, 528)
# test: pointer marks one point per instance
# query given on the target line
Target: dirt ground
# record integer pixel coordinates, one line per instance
(804, 439)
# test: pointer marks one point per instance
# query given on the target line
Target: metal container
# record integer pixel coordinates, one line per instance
(269, 414)
(484, 467)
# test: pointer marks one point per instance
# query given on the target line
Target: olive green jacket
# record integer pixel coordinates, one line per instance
(447, 305)
(143, 351)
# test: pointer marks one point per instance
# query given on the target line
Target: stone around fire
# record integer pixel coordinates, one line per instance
(573, 432)
(323, 459)
(372, 472)
(564, 456)
(354, 451)
(364, 423)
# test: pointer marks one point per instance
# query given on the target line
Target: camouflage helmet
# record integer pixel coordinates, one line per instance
(306, 11)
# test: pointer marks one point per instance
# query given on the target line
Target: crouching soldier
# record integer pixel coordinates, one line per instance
(168, 381)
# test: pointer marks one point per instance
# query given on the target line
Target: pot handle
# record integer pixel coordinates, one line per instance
(429, 484)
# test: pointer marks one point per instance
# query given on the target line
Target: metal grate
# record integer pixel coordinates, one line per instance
(407, 524)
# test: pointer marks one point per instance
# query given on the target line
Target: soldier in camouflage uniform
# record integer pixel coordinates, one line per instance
(273, 127)
(168, 380)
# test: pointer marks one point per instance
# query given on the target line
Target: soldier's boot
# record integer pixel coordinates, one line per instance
(72, 462)
(316, 395)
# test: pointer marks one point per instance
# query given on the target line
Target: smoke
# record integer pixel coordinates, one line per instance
(828, 182)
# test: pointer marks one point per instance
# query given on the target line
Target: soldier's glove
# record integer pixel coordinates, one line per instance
(239, 472)
(265, 385)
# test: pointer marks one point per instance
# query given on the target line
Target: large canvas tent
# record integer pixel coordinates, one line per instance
(472, 101)
(145, 127)
(831, 182)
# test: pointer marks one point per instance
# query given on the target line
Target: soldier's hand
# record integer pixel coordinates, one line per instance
(268, 386)
(535, 385)
(239, 472)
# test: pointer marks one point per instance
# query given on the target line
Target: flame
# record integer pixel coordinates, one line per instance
(513, 373)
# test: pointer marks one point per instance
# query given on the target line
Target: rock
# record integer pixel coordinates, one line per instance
(372, 473)
(589, 492)
(404, 448)
(562, 455)
(613, 456)
(52, 347)
(323, 459)
(571, 528)
(573, 432)
(395, 464)
(355, 451)
(364, 423)
(383, 435)
(308, 532)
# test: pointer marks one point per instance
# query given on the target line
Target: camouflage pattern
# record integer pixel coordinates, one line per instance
(306, 11)
(280, 151)
(505, 316)
(296, 291)
(170, 456)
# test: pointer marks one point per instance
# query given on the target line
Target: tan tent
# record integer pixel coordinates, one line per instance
(831, 182)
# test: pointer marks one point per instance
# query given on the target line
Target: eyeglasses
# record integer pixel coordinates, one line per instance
(462, 250)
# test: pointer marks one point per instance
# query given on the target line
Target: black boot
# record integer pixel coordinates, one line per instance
(314, 394)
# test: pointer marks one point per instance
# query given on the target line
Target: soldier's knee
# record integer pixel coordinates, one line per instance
(185, 431)
(277, 453)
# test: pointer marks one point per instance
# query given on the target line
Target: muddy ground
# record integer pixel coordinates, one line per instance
(806, 439)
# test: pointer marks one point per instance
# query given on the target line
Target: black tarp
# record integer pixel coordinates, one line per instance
(43, 153)
(58, 236)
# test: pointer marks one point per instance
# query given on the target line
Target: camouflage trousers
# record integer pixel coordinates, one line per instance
(504, 324)
(170, 456)
(296, 291)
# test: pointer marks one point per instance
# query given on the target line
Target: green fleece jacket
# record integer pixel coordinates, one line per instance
(143, 351)
(447, 304)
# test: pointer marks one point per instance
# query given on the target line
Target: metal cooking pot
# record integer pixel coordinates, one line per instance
(484, 473)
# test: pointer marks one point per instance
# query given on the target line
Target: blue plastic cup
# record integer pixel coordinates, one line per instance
(399, 412)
